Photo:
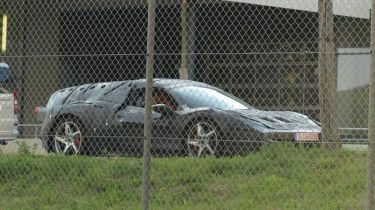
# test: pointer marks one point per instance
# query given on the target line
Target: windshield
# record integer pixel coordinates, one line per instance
(195, 97)
(5, 74)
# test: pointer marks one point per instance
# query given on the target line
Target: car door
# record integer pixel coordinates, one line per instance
(129, 122)
(129, 128)
(166, 130)
(166, 133)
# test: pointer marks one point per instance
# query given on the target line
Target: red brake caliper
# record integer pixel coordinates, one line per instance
(77, 142)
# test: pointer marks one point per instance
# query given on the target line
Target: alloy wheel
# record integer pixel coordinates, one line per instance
(202, 140)
(68, 138)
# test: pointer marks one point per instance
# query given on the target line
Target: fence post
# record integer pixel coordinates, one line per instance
(327, 75)
(148, 104)
(184, 72)
(371, 121)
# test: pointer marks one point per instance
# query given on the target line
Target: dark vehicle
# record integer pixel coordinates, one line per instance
(189, 118)
(8, 105)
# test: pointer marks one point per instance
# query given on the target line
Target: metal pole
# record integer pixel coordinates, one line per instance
(184, 73)
(148, 104)
(371, 121)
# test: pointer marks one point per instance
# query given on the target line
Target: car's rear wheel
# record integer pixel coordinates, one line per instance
(68, 137)
(202, 139)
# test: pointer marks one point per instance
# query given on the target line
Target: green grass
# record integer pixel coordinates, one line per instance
(277, 177)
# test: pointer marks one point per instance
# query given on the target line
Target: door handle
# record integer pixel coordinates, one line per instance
(98, 106)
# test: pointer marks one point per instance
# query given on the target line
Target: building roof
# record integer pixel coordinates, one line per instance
(351, 8)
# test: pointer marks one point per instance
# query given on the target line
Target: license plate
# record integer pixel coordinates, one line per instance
(306, 136)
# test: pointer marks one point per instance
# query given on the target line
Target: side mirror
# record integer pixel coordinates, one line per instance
(163, 109)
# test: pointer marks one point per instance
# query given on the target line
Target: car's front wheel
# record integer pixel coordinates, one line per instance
(202, 140)
(68, 137)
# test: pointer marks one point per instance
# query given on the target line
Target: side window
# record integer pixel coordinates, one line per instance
(136, 98)
(161, 97)
(117, 93)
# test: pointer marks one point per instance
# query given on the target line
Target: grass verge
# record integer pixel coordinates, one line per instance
(277, 177)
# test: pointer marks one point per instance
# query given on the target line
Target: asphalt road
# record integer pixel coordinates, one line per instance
(35, 146)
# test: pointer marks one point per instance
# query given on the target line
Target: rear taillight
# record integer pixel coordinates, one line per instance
(40, 113)
(37, 110)
(15, 103)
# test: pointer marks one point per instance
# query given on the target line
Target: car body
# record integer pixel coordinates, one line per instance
(8, 105)
(188, 117)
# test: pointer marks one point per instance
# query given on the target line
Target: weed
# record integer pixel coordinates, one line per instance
(25, 149)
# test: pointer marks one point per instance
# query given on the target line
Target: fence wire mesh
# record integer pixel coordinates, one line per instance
(254, 104)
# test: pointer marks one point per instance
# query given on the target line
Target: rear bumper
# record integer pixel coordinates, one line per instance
(9, 136)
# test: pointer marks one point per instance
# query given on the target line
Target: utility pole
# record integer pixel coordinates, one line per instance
(148, 104)
(371, 121)
(327, 76)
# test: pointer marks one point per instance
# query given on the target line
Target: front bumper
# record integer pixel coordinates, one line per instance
(289, 137)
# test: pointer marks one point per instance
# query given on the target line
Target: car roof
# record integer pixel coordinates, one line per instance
(74, 93)
(139, 83)
(170, 83)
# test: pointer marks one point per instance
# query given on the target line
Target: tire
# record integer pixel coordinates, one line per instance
(202, 139)
(67, 137)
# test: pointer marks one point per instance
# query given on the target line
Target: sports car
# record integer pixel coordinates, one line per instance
(188, 118)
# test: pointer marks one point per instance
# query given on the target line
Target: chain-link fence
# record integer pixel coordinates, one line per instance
(186, 104)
